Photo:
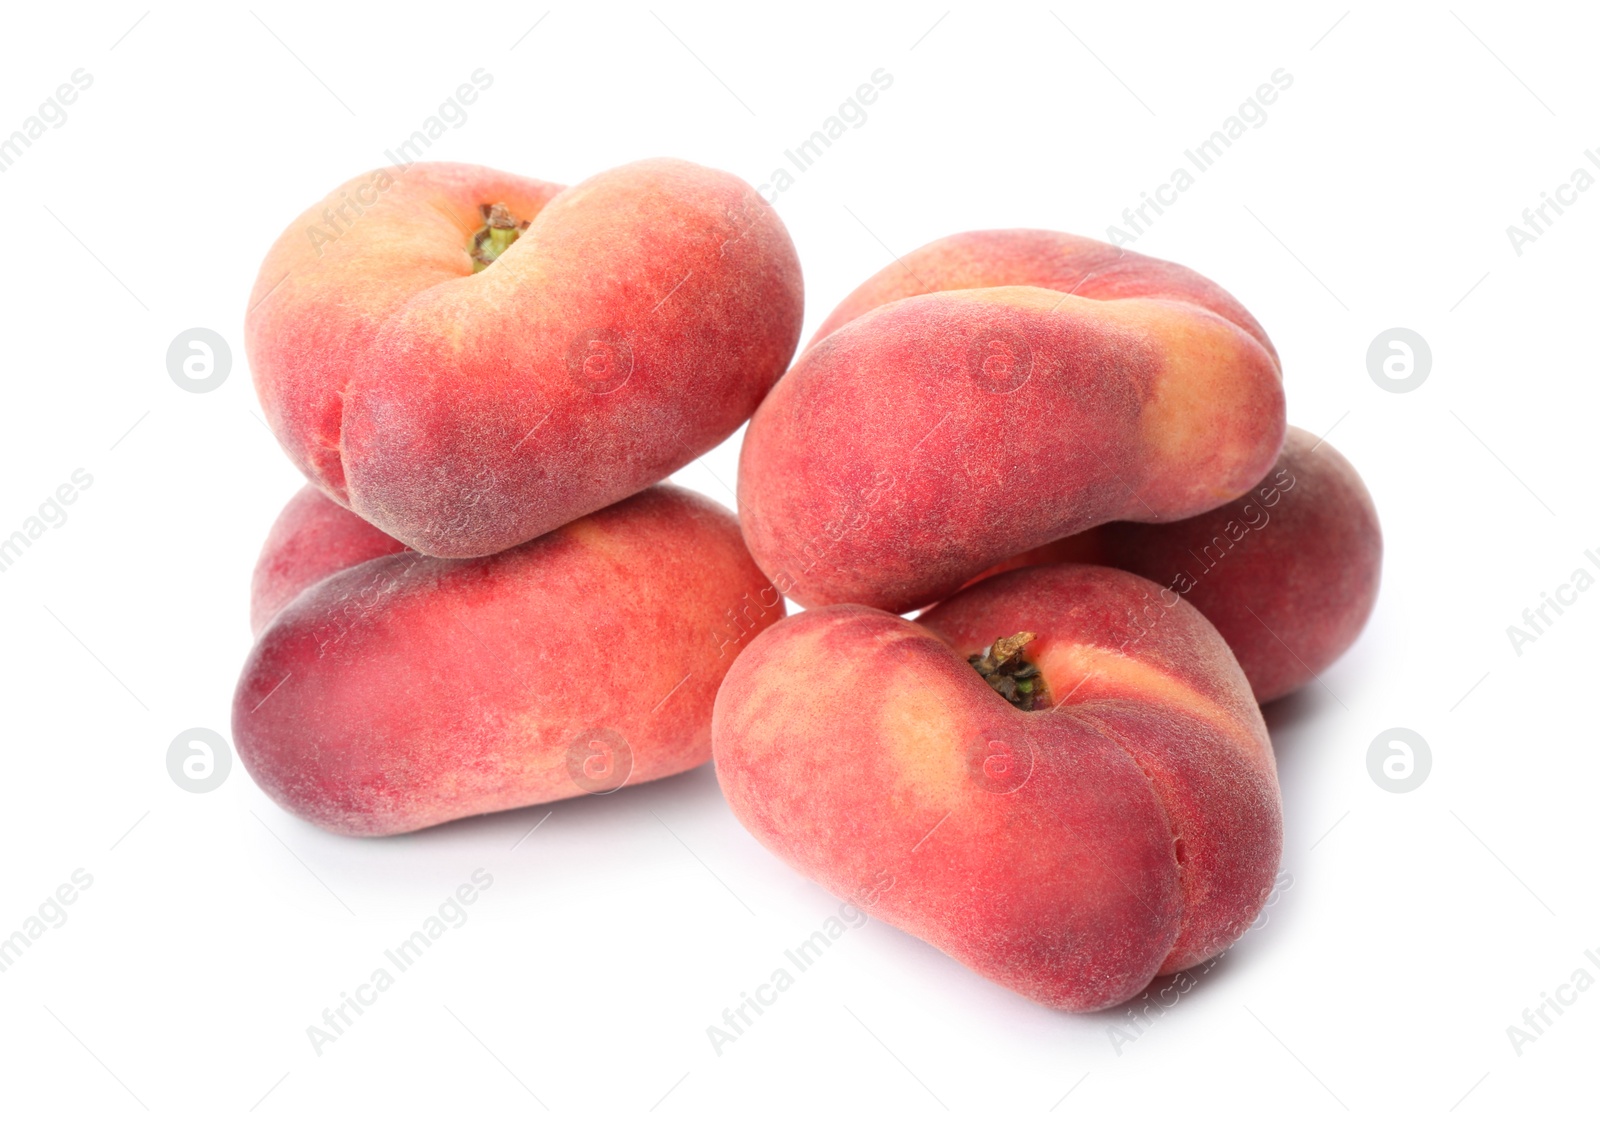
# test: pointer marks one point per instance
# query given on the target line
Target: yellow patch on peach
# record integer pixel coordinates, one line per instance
(770, 719)
(1080, 672)
(1186, 421)
(591, 537)
(1185, 418)
(540, 741)
(925, 739)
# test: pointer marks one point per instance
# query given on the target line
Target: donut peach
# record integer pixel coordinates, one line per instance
(1054, 776)
(468, 359)
(992, 392)
(1288, 573)
(406, 690)
(312, 538)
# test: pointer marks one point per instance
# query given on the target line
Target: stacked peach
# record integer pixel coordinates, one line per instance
(399, 691)
(1059, 773)
(486, 601)
(1073, 458)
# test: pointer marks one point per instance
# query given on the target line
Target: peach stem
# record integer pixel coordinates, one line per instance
(1013, 677)
(500, 228)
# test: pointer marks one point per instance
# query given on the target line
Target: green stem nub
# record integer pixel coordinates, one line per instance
(500, 228)
(1013, 677)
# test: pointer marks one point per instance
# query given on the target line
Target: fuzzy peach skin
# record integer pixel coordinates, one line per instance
(993, 392)
(406, 690)
(1288, 574)
(632, 326)
(312, 538)
(1070, 853)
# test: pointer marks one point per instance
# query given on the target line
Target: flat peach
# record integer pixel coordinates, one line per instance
(1288, 573)
(406, 690)
(993, 392)
(615, 331)
(1126, 824)
(312, 538)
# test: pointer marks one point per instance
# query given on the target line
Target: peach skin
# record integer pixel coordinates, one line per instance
(406, 691)
(993, 392)
(312, 538)
(1051, 776)
(1288, 573)
(468, 359)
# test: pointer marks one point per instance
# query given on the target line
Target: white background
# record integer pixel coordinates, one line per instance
(1417, 927)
